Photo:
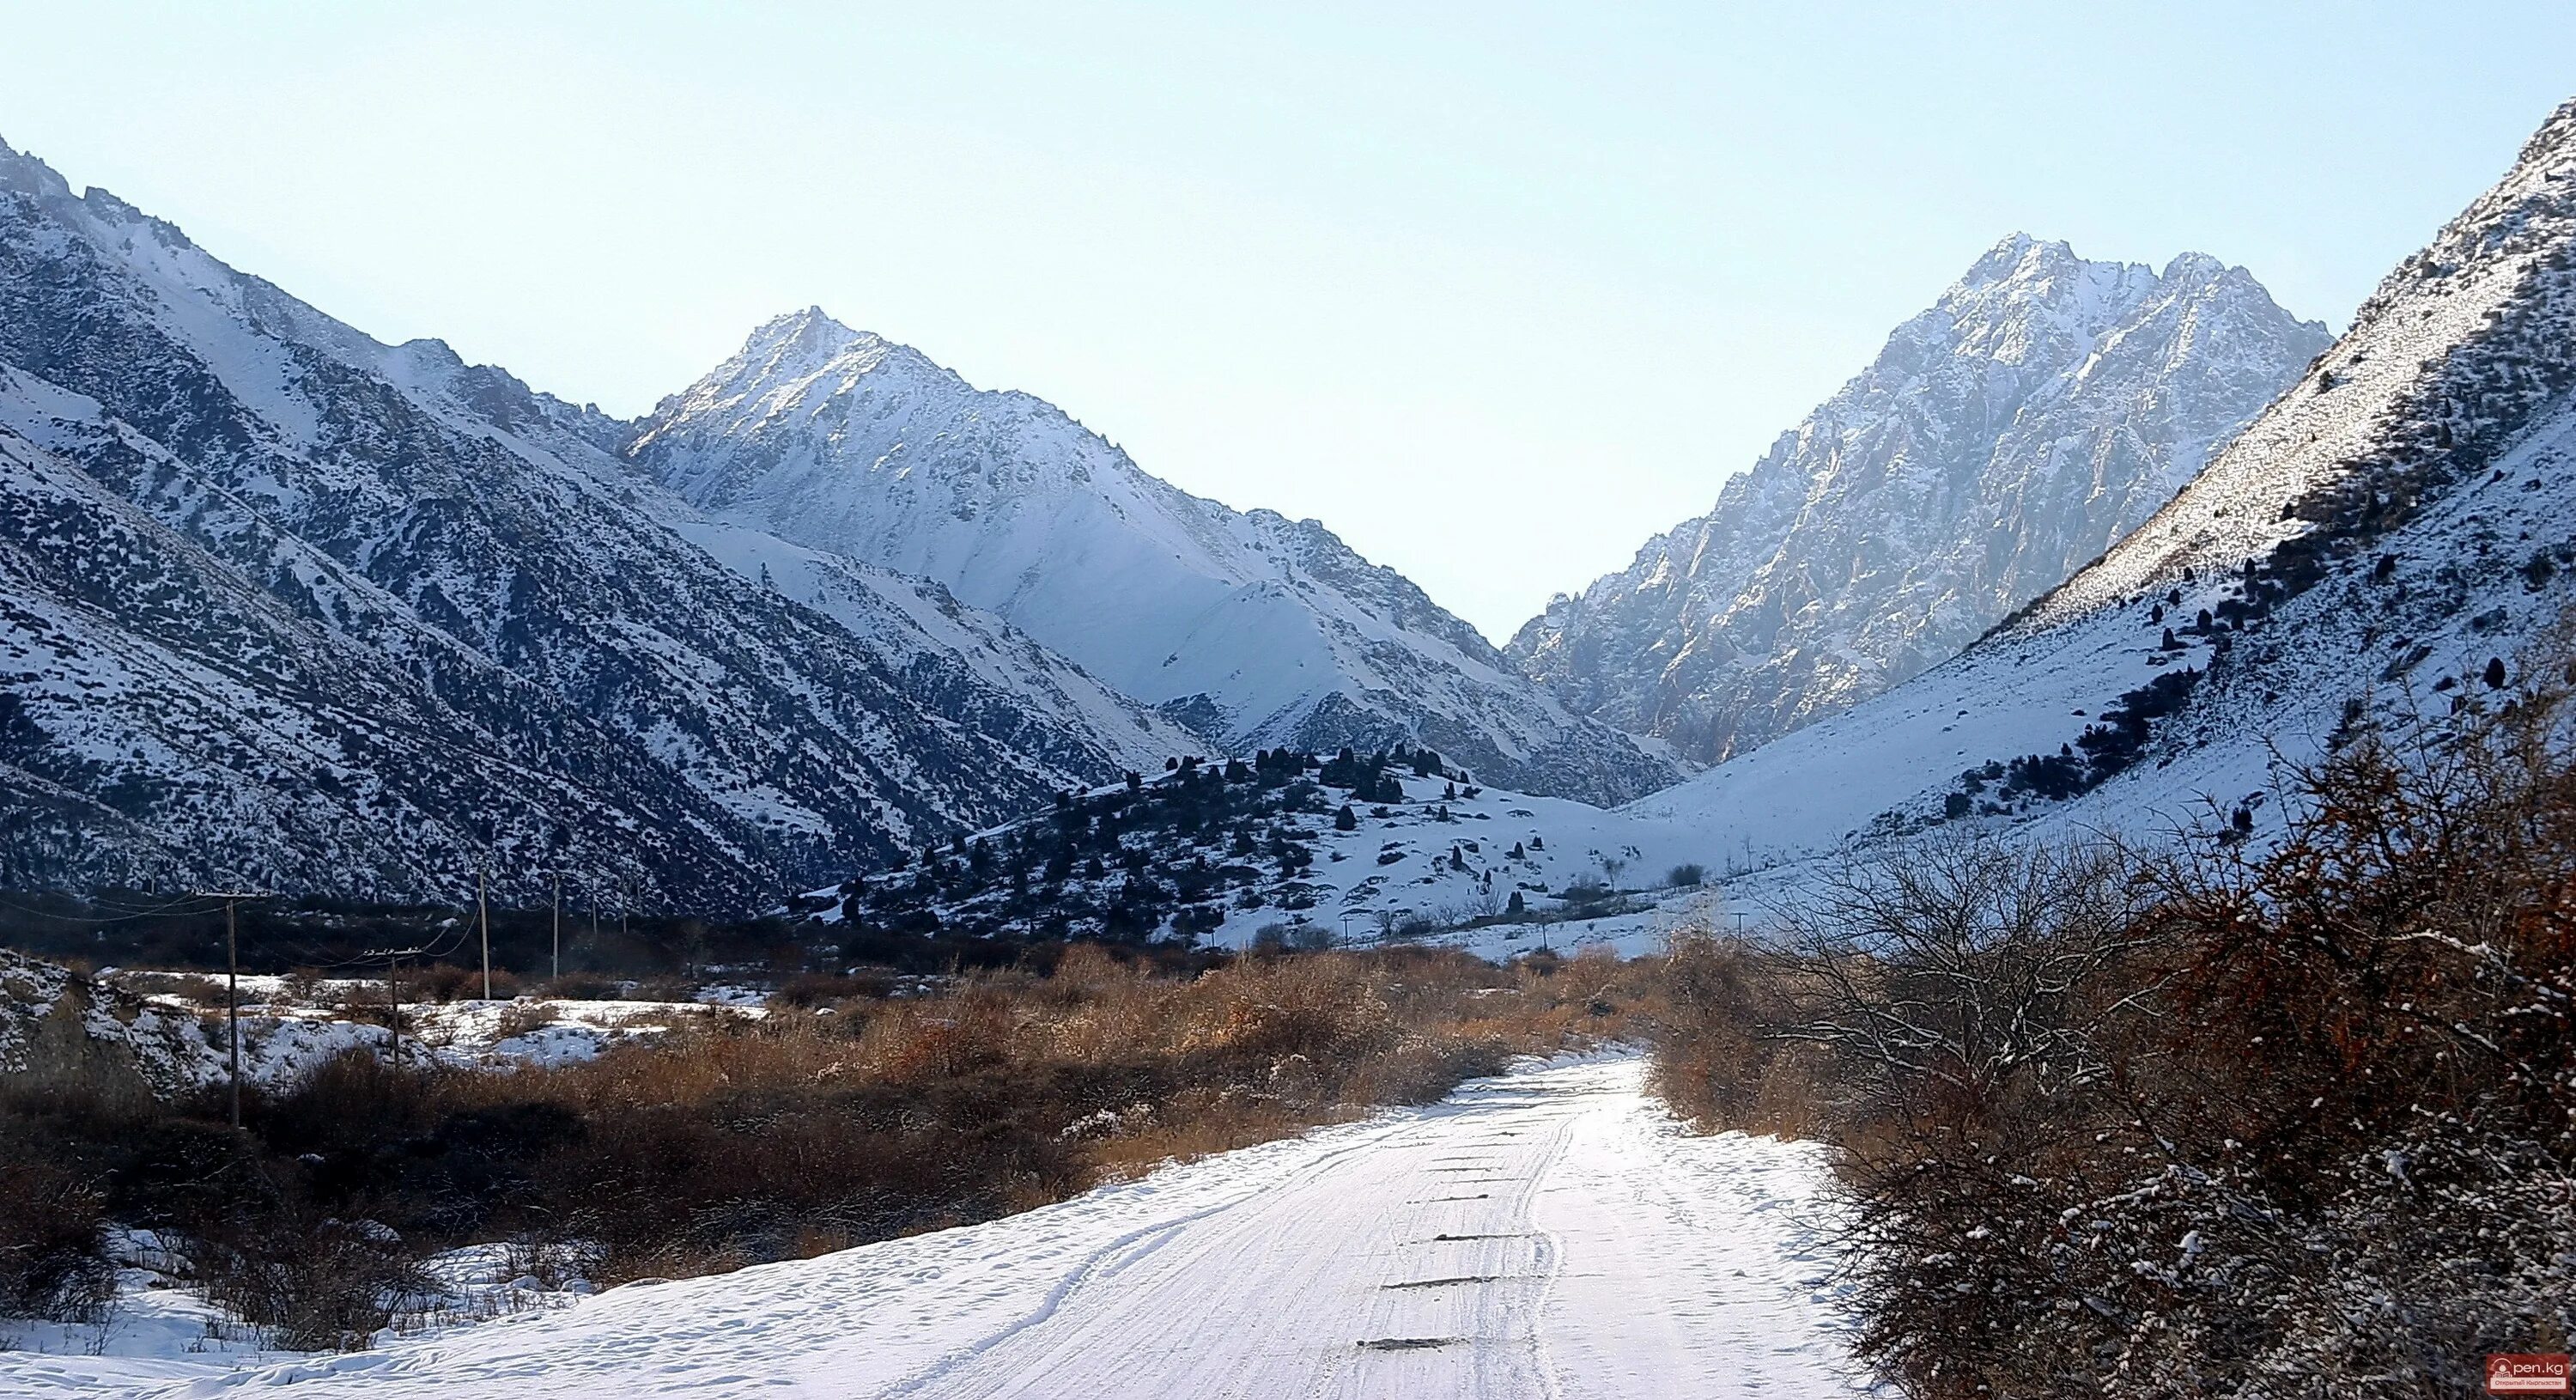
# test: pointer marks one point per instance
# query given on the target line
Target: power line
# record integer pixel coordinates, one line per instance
(153, 912)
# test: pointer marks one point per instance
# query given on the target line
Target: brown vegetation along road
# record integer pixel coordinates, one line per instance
(1550, 1232)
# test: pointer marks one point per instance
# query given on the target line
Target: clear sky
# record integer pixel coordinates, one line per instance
(1494, 290)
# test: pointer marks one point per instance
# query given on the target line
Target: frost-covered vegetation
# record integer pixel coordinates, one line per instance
(2228, 1118)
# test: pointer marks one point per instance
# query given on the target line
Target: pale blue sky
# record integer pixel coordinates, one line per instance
(1494, 290)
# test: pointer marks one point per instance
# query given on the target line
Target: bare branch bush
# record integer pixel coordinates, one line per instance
(2211, 1118)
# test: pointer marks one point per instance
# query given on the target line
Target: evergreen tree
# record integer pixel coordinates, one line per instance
(1346, 819)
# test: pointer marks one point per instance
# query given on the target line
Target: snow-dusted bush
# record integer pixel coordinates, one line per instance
(53, 1241)
(2223, 1118)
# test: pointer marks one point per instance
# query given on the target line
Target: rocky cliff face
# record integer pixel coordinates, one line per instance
(2039, 411)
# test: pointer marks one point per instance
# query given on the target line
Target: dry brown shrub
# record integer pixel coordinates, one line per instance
(187, 986)
(524, 1016)
(53, 1241)
(807, 990)
(2234, 1117)
(733, 1140)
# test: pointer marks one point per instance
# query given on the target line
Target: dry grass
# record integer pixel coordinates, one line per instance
(187, 986)
(523, 1016)
(846, 1115)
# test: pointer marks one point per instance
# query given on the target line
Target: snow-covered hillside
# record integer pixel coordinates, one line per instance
(291, 607)
(2374, 549)
(2040, 410)
(1256, 629)
(1304, 851)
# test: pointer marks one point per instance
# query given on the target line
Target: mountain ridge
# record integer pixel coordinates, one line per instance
(2001, 438)
(2383, 550)
(1261, 630)
(472, 554)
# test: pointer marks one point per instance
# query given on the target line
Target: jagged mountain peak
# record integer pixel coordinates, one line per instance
(1259, 630)
(2196, 267)
(807, 341)
(28, 175)
(2380, 551)
(806, 338)
(2018, 257)
(807, 366)
(2043, 405)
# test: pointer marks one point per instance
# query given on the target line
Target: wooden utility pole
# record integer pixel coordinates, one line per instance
(232, 998)
(558, 972)
(393, 987)
(483, 917)
(232, 984)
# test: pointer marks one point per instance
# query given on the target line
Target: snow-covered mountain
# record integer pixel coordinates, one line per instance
(2040, 410)
(288, 606)
(2377, 548)
(1264, 631)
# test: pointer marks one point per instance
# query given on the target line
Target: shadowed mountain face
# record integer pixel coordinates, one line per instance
(288, 607)
(1261, 630)
(2043, 408)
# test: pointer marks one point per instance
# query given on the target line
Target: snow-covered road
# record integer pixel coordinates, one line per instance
(1547, 1233)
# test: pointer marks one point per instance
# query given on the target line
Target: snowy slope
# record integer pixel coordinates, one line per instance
(2400, 517)
(1270, 858)
(1549, 1233)
(1260, 630)
(270, 576)
(2040, 410)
